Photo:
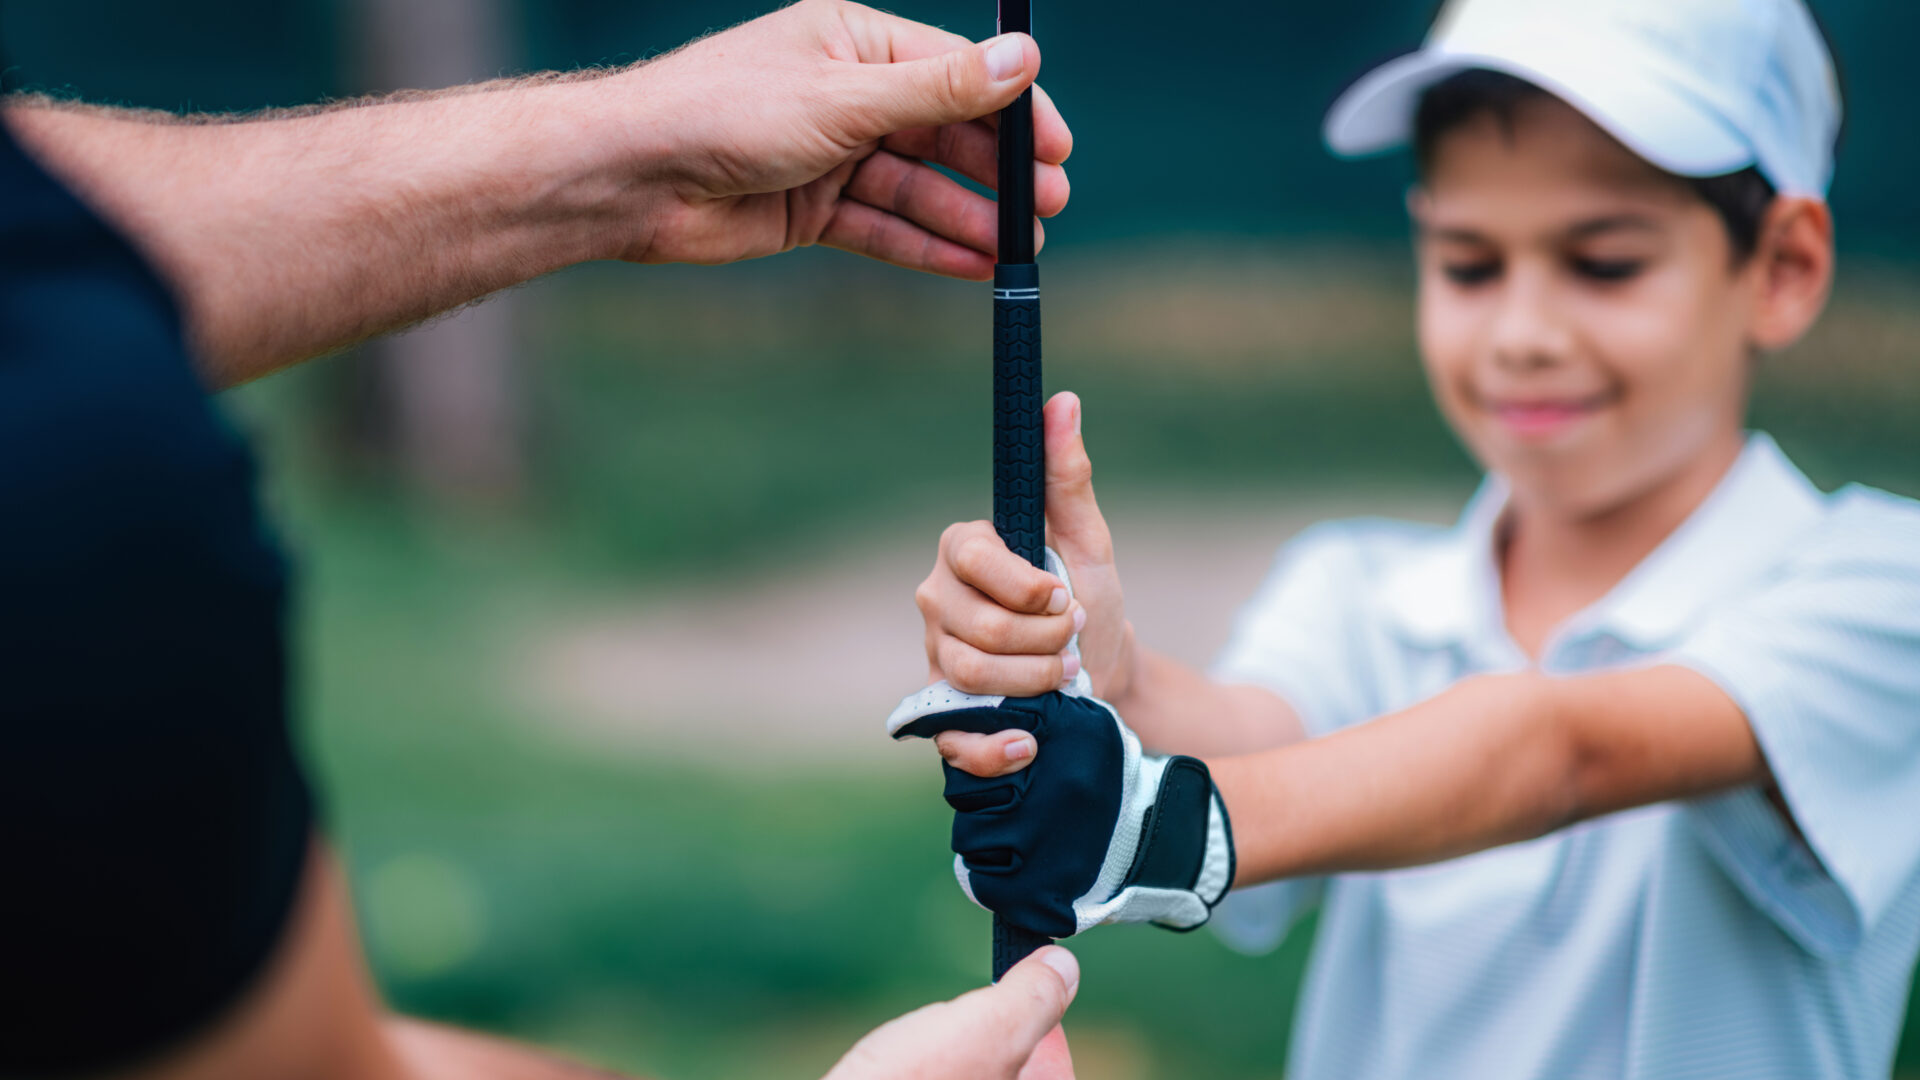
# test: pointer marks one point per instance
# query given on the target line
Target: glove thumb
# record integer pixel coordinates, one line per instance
(951, 88)
(1074, 521)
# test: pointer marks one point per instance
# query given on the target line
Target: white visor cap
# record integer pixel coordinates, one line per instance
(1696, 87)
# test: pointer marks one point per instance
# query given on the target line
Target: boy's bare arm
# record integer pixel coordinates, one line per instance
(1493, 760)
(305, 230)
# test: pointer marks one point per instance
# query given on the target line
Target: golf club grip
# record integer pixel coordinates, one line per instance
(1019, 477)
(1019, 450)
(1012, 945)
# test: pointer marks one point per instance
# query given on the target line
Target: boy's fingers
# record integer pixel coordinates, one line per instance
(992, 755)
(991, 628)
(977, 556)
(971, 671)
(1073, 517)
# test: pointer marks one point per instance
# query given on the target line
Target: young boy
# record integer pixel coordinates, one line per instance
(1619, 776)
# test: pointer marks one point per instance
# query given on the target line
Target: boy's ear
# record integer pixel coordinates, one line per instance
(1792, 268)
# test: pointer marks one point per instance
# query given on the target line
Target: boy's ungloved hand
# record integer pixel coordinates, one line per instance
(1093, 830)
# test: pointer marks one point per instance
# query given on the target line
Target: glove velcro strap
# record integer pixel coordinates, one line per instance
(1186, 847)
(1173, 838)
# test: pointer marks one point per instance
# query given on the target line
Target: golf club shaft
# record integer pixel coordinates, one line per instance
(1019, 446)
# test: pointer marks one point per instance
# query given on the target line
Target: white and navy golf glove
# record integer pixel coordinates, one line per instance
(1094, 830)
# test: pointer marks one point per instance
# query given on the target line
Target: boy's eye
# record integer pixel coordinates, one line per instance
(1607, 269)
(1471, 273)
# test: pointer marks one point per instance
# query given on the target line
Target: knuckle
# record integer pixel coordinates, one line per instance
(926, 596)
(968, 671)
(957, 88)
(972, 556)
(1076, 470)
(1040, 590)
(994, 626)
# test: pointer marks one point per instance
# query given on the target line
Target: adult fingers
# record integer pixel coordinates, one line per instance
(1078, 528)
(974, 672)
(1051, 1060)
(973, 151)
(883, 38)
(949, 88)
(867, 230)
(1024, 1006)
(997, 754)
(976, 555)
(908, 189)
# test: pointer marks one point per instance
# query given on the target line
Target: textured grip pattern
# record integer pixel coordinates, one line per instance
(1019, 476)
(1012, 945)
(1019, 454)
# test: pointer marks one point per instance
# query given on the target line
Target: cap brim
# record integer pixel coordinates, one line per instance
(1655, 120)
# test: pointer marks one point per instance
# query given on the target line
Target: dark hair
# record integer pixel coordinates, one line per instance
(1740, 198)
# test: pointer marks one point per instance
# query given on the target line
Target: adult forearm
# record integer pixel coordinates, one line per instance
(294, 234)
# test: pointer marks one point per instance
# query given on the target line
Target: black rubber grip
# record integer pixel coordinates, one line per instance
(1019, 452)
(1019, 477)
(1012, 945)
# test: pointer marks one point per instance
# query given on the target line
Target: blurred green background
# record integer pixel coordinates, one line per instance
(595, 694)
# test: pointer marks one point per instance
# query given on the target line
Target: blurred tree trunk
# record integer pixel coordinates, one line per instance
(446, 410)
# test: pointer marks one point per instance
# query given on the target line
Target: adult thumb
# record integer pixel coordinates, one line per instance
(964, 84)
(1029, 1000)
(1078, 528)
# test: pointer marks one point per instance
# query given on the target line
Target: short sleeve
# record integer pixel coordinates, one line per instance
(1299, 634)
(1824, 660)
(1257, 919)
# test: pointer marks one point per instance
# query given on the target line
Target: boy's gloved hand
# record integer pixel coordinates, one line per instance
(1093, 830)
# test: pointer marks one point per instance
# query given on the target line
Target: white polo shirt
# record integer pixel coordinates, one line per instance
(1688, 939)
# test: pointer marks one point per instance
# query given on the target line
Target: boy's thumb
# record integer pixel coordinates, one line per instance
(1073, 516)
(950, 88)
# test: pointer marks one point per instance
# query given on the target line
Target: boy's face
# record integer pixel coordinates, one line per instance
(1582, 321)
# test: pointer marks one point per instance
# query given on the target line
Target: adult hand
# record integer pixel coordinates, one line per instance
(996, 624)
(1001, 1032)
(820, 124)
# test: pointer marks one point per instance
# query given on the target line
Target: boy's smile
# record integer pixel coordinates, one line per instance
(1583, 320)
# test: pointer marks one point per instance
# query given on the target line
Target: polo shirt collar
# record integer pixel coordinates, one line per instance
(1450, 594)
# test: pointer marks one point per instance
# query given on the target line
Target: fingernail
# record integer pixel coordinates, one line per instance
(1020, 749)
(1057, 603)
(1076, 414)
(1079, 619)
(1006, 58)
(1070, 666)
(1063, 962)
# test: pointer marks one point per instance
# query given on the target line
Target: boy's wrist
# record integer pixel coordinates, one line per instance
(1119, 683)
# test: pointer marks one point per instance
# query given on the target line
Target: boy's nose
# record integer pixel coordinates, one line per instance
(1527, 330)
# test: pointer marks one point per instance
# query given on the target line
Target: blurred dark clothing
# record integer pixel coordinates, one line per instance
(153, 820)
